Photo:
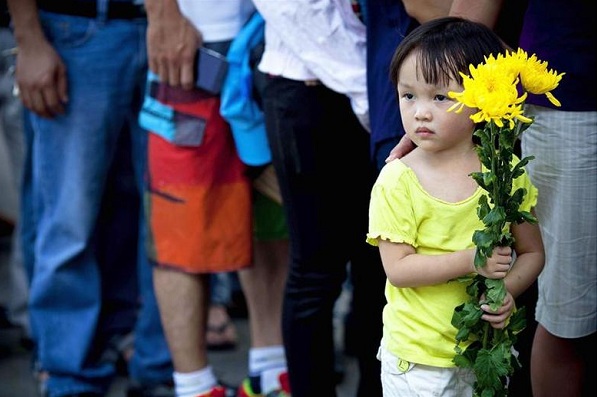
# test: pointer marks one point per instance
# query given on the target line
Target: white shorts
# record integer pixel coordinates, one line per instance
(400, 378)
(565, 173)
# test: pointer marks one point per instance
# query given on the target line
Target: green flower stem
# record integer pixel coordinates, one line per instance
(494, 162)
(486, 340)
(490, 356)
(497, 195)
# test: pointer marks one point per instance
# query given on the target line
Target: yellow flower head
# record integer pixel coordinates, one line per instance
(492, 87)
(537, 79)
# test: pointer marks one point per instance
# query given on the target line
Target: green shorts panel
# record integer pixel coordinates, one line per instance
(269, 220)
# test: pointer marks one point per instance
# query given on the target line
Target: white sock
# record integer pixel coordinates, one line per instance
(192, 384)
(267, 362)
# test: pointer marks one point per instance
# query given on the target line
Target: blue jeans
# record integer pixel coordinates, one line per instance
(220, 287)
(82, 292)
(13, 284)
(321, 156)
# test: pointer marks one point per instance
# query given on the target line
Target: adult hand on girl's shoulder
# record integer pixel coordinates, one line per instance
(404, 147)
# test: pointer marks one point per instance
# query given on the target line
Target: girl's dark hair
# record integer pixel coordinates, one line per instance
(446, 46)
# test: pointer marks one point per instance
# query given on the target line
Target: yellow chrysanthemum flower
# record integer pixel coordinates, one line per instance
(537, 79)
(517, 59)
(492, 90)
(491, 87)
(507, 65)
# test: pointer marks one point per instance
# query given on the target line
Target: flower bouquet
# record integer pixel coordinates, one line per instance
(497, 88)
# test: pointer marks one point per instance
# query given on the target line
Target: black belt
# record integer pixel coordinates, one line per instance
(88, 9)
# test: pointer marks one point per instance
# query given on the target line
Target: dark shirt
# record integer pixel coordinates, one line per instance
(563, 34)
(387, 24)
(4, 15)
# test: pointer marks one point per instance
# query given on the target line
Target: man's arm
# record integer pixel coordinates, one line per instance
(426, 10)
(484, 11)
(40, 72)
(172, 42)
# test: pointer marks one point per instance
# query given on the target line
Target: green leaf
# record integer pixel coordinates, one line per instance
(488, 393)
(490, 367)
(482, 238)
(488, 180)
(516, 198)
(466, 359)
(483, 156)
(517, 321)
(506, 140)
(528, 217)
(480, 258)
(495, 293)
(524, 161)
(470, 314)
(483, 207)
(478, 177)
(518, 169)
(462, 362)
(496, 216)
(473, 288)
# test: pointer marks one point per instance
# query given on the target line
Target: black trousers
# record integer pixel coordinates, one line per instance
(321, 156)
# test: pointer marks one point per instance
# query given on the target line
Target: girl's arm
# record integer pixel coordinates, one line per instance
(530, 258)
(405, 268)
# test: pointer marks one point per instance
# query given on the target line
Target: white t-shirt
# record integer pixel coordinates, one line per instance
(217, 20)
(317, 40)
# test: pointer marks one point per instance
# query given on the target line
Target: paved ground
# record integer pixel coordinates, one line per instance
(230, 366)
(15, 361)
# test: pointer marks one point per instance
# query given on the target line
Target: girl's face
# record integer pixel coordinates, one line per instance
(424, 110)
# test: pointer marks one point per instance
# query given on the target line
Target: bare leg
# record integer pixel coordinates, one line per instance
(560, 367)
(183, 302)
(263, 287)
(221, 331)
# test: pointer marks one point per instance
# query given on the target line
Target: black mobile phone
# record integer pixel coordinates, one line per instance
(210, 70)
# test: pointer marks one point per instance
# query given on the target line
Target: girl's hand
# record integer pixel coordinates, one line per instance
(498, 264)
(497, 319)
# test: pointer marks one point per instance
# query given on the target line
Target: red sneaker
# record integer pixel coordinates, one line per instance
(218, 391)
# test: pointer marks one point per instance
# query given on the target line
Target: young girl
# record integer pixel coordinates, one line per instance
(423, 215)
